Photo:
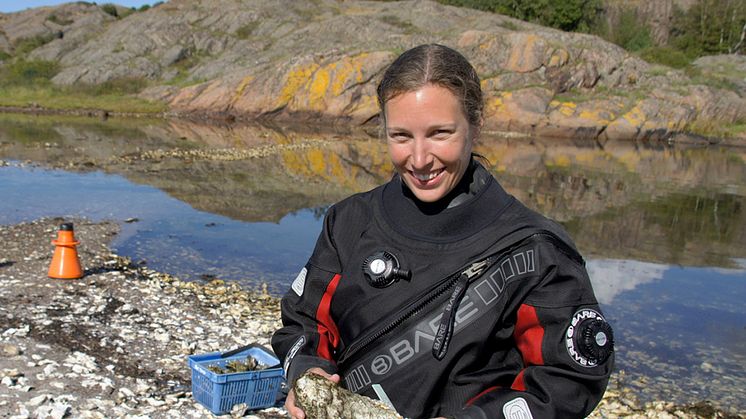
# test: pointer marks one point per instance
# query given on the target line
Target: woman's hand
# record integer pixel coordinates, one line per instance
(295, 411)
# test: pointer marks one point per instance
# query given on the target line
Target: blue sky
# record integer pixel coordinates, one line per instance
(7, 6)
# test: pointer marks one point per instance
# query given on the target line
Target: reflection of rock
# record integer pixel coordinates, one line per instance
(619, 200)
(610, 277)
(320, 398)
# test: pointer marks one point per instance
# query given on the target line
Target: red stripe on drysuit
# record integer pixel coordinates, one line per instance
(328, 333)
(473, 399)
(528, 335)
(518, 383)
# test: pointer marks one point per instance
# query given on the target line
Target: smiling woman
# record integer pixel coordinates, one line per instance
(441, 279)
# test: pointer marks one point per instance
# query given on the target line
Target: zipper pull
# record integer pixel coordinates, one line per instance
(448, 320)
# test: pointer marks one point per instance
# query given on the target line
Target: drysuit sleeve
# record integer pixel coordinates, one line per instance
(309, 335)
(567, 350)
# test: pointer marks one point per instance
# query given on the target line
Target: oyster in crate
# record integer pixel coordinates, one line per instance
(320, 398)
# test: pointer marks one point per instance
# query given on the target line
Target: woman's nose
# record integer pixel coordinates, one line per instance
(420, 153)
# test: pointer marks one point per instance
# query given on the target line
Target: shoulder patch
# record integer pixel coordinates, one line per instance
(517, 409)
(589, 338)
(300, 282)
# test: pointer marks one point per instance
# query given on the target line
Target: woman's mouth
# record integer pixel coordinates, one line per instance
(426, 178)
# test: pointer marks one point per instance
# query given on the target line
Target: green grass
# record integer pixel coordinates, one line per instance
(665, 55)
(28, 83)
(26, 45)
(718, 81)
(599, 92)
(52, 97)
(717, 129)
(58, 20)
(407, 27)
(511, 26)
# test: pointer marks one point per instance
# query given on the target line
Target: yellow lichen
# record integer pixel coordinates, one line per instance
(559, 161)
(241, 88)
(317, 89)
(351, 68)
(296, 79)
(594, 115)
(567, 108)
(635, 116)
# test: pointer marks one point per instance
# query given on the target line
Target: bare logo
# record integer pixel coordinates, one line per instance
(479, 298)
(570, 340)
(381, 364)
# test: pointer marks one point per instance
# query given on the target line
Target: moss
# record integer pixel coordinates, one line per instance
(716, 129)
(407, 27)
(245, 31)
(666, 56)
(119, 86)
(22, 72)
(509, 25)
(26, 45)
(58, 20)
(110, 9)
(718, 80)
(52, 97)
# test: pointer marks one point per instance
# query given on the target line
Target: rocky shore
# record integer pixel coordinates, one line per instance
(115, 342)
(305, 61)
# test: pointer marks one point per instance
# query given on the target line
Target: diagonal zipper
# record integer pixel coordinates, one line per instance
(448, 320)
(461, 278)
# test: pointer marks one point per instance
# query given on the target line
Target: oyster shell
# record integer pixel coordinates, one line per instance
(320, 398)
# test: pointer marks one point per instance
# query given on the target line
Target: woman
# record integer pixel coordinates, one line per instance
(438, 289)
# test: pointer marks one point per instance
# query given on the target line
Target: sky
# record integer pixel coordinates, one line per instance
(7, 6)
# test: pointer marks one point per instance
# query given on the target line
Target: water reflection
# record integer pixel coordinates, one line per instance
(663, 227)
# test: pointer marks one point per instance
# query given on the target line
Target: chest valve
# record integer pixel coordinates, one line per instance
(382, 269)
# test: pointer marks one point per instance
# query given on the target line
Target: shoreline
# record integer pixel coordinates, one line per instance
(115, 342)
(320, 122)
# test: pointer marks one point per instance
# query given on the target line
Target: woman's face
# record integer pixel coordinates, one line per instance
(430, 140)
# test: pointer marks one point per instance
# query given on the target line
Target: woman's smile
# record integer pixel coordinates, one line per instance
(427, 179)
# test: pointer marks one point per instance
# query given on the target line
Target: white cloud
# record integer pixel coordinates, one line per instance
(611, 276)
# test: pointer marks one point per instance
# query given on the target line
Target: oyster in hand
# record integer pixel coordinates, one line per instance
(320, 398)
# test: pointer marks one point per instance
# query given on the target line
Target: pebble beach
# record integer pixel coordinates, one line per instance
(116, 342)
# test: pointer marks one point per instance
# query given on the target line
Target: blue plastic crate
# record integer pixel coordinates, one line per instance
(220, 392)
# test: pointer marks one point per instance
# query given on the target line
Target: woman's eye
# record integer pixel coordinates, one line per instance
(398, 136)
(441, 133)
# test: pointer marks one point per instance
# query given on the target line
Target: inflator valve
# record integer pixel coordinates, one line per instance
(382, 269)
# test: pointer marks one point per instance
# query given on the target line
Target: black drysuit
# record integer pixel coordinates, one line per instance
(492, 314)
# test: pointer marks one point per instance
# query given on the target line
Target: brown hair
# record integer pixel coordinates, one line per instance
(434, 64)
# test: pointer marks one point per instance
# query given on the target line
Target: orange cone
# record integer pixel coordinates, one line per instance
(65, 263)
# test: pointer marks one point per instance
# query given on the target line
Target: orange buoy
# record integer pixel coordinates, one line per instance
(65, 263)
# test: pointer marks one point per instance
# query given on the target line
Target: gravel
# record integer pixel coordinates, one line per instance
(115, 342)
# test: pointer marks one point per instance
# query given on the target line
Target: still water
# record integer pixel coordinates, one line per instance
(663, 227)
